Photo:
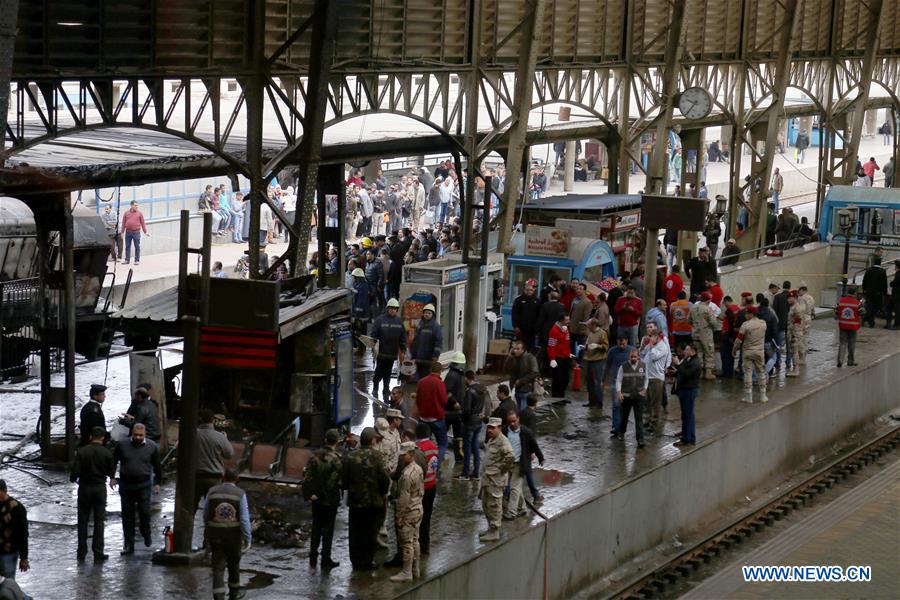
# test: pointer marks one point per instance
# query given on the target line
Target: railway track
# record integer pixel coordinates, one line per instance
(655, 583)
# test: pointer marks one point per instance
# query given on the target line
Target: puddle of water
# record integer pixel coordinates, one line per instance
(552, 477)
(259, 580)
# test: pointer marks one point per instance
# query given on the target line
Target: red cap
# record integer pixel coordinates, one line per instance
(793, 294)
(750, 309)
(705, 296)
(746, 294)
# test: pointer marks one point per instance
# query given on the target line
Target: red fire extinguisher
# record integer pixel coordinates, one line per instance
(169, 536)
(576, 378)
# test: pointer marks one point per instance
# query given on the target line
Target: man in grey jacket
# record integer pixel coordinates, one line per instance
(213, 449)
(138, 461)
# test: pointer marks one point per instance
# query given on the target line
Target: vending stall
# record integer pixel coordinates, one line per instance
(545, 251)
(444, 283)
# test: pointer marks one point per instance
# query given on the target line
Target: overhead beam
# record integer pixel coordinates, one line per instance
(10, 10)
(763, 169)
(865, 82)
(518, 129)
(656, 174)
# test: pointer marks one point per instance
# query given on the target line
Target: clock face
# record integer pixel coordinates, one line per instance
(694, 103)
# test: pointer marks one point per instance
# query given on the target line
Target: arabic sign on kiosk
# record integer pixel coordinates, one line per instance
(547, 241)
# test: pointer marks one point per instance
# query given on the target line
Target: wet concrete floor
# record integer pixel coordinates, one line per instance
(581, 463)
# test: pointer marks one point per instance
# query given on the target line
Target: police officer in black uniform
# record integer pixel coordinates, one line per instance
(92, 414)
(93, 464)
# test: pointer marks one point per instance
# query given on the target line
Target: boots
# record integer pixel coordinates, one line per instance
(748, 396)
(406, 574)
(708, 374)
(762, 395)
(491, 535)
(416, 562)
(794, 372)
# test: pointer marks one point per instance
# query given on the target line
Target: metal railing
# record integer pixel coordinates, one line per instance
(20, 301)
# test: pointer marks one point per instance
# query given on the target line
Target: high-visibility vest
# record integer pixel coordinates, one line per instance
(681, 311)
(848, 313)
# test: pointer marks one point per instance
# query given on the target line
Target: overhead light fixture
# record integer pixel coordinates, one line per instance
(70, 24)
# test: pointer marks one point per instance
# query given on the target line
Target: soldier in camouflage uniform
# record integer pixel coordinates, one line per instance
(407, 495)
(497, 462)
(751, 338)
(322, 487)
(704, 324)
(367, 481)
(388, 445)
(798, 323)
(810, 305)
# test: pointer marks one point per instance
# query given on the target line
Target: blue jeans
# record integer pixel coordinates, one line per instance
(616, 412)
(439, 429)
(238, 223)
(686, 398)
(775, 200)
(529, 479)
(442, 213)
(133, 237)
(522, 401)
(596, 369)
(471, 449)
(8, 564)
(631, 332)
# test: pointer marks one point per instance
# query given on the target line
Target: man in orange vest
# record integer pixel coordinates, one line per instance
(680, 312)
(849, 322)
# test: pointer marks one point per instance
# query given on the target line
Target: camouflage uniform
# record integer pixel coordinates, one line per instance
(366, 481)
(497, 462)
(389, 448)
(704, 324)
(322, 479)
(407, 494)
(810, 305)
(751, 338)
(798, 324)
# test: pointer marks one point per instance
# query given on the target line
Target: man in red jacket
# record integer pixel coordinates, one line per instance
(672, 285)
(431, 398)
(559, 353)
(423, 441)
(629, 309)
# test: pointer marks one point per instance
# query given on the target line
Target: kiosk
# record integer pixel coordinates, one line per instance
(545, 250)
(443, 283)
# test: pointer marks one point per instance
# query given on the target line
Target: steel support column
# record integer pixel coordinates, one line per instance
(763, 168)
(865, 82)
(68, 320)
(254, 95)
(467, 199)
(10, 10)
(531, 42)
(656, 174)
(324, 32)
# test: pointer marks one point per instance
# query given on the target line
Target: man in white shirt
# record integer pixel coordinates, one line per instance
(656, 356)
(366, 208)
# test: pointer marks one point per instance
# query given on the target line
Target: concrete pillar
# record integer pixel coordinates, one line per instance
(871, 125)
(569, 167)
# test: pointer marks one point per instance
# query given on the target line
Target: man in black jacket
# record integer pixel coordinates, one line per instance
(524, 445)
(875, 288)
(93, 464)
(143, 410)
(687, 383)
(506, 405)
(525, 310)
(701, 269)
(92, 414)
(893, 304)
(140, 469)
(472, 414)
(780, 306)
(13, 534)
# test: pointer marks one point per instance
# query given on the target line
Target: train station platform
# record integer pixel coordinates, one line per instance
(606, 501)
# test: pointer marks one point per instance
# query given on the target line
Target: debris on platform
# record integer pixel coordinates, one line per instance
(272, 529)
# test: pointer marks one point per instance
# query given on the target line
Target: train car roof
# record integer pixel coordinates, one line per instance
(863, 195)
(584, 202)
